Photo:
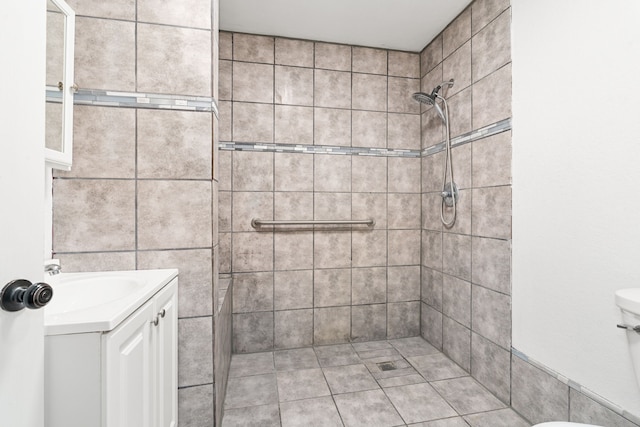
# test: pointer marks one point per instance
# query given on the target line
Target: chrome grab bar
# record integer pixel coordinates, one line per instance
(257, 223)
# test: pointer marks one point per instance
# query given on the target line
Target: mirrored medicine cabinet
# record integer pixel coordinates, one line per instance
(60, 87)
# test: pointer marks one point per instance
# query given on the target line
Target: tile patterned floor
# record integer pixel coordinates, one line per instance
(402, 382)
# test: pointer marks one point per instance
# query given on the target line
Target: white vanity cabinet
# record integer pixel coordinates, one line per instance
(125, 377)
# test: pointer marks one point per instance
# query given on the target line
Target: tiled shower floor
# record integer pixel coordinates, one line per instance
(380, 383)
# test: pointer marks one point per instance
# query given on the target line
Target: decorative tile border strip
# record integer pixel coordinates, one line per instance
(574, 385)
(316, 149)
(492, 129)
(110, 98)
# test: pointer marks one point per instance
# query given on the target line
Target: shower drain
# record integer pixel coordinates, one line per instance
(386, 366)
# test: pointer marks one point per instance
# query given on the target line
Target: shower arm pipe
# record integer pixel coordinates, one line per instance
(256, 223)
(446, 223)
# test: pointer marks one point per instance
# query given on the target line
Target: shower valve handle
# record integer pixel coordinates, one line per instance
(445, 194)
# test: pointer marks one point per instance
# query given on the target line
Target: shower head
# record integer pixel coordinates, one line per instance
(427, 99)
(430, 99)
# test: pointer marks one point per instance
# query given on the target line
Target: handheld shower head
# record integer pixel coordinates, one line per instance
(430, 99)
(427, 99)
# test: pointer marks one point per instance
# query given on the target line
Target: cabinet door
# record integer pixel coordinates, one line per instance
(127, 370)
(166, 356)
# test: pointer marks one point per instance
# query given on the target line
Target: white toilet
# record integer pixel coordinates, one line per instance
(629, 302)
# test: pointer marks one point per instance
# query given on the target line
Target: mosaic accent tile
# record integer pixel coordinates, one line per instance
(493, 129)
(111, 98)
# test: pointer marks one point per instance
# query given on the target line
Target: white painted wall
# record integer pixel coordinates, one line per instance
(576, 187)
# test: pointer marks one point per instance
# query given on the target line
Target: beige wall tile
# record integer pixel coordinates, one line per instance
(371, 61)
(431, 55)
(491, 264)
(164, 53)
(225, 126)
(252, 292)
(404, 247)
(462, 223)
(97, 261)
(370, 206)
(404, 64)
(195, 290)
(404, 175)
(224, 170)
(105, 54)
(294, 205)
(252, 48)
(332, 173)
(369, 129)
(457, 33)
(332, 249)
(491, 212)
(293, 250)
(189, 13)
(93, 215)
(331, 325)
(293, 125)
(252, 171)
(432, 171)
(250, 205)
(174, 214)
(332, 206)
(458, 67)
(116, 9)
(484, 11)
(174, 144)
(404, 211)
(400, 91)
(195, 352)
(369, 248)
(404, 131)
(460, 113)
(369, 92)
(432, 249)
(431, 203)
(433, 131)
(293, 172)
(403, 319)
(293, 289)
(225, 78)
(294, 52)
(456, 255)
(333, 56)
(252, 122)
(492, 46)
(293, 328)
(253, 82)
(332, 89)
(293, 85)
(369, 285)
(104, 143)
(368, 322)
(332, 287)
(225, 45)
(403, 283)
(252, 332)
(492, 161)
(369, 174)
(252, 251)
(491, 98)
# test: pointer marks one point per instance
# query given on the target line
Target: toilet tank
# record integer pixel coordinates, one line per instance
(629, 302)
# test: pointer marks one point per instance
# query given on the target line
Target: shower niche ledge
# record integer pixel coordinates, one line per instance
(111, 352)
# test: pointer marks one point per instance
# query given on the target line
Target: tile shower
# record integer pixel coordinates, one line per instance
(308, 130)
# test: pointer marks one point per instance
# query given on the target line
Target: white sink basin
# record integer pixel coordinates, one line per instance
(98, 302)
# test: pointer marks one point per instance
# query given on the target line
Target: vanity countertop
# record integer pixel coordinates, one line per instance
(99, 301)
